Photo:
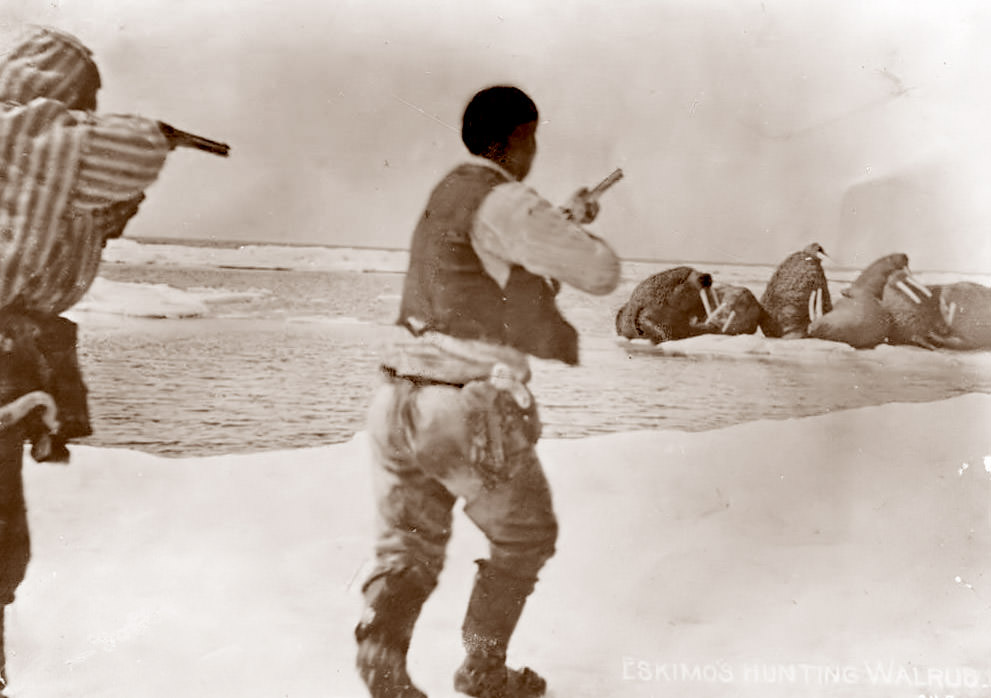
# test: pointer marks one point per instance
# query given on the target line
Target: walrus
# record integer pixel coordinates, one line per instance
(858, 318)
(915, 314)
(872, 279)
(672, 304)
(797, 285)
(738, 311)
(860, 321)
(966, 309)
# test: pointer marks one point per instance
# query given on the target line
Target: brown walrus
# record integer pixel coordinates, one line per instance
(738, 311)
(672, 304)
(796, 285)
(915, 314)
(966, 309)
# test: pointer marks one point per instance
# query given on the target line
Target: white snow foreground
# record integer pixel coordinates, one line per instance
(837, 555)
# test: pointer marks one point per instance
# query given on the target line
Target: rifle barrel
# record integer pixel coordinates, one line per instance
(602, 186)
(209, 146)
(185, 139)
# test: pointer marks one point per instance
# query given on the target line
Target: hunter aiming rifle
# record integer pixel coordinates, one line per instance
(182, 139)
(590, 196)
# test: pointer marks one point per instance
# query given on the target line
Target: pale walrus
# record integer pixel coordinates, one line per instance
(858, 318)
(966, 309)
(672, 304)
(797, 285)
(738, 311)
(872, 279)
(915, 314)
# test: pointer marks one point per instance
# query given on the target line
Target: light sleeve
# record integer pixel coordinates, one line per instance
(515, 225)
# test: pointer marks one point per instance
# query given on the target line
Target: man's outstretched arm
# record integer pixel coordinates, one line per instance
(515, 225)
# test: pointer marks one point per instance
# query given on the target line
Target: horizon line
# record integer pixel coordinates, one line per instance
(231, 243)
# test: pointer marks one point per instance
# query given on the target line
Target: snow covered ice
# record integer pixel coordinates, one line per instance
(811, 550)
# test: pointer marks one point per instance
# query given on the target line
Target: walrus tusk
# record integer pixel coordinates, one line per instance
(815, 304)
(729, 320)
(940, 341)
(714, 317)
(14, 412)
(919, 285)
(950, 341)
(705, 304)
(947, 310)
(903, 287)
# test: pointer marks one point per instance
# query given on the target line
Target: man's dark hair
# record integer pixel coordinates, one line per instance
(492, 115)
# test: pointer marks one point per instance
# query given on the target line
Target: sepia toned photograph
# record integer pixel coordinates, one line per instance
(504, 349)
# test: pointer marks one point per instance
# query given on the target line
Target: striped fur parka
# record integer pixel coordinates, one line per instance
(69, 178)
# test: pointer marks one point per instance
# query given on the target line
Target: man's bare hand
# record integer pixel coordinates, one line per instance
(582, 207)
(111, 220)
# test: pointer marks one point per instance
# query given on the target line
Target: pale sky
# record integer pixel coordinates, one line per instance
(746, 129)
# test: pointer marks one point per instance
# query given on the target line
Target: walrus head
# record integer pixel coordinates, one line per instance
(738, 311)
(672, 304)
(871, 280)
(696, 288)
(815, 251)
(909, 286)
(915, 312)
(966, 308)
(684, 310)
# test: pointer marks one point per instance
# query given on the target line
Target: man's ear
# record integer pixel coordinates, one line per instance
(497, 152)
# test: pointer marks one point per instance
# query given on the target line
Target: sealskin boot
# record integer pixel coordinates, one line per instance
(493, 611)
(489, 677)
(393, 603)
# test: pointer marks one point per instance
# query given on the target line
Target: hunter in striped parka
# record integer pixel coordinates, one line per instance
(69, 180)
